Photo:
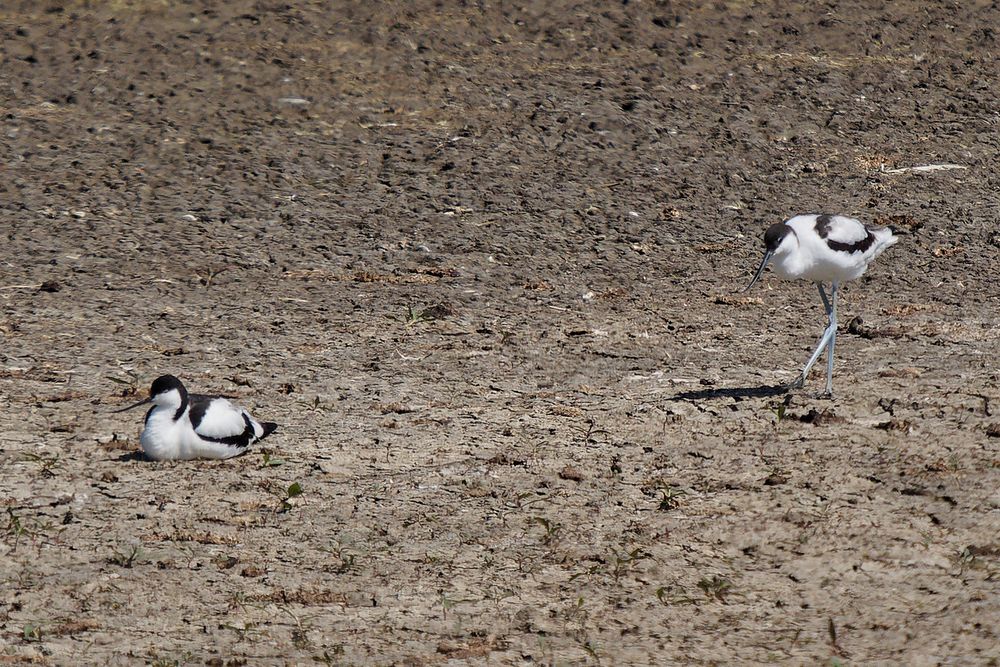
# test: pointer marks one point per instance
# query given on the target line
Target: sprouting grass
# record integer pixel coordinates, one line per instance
(966, 560)
(552, 528)
(715, 587)
(671, 498)
(416, 316)
(591, 650)
(347, 558)
(284, 494)
(210, 274)
(156, 660)
(617, 565)
(19, 526)
(249, 630)
(623, 563)
(331, 656)
(47, 464)
(781, 409)
(32, 632)
(316, 405)
(126, 557)
(294, 490)
(446, 604)
(668, 595)
(131, 384)
(268, 461)
(15, 527)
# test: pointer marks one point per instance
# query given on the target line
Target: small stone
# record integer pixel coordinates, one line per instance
(50, 286)
(821, 417)
(227, 562)
(571, 473)
(901, 425)
(775, 479)
(856, 326)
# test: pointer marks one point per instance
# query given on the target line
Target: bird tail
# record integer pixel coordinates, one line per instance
(269, 428)
(883, 239)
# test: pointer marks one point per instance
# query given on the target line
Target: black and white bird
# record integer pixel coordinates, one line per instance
(822, 248)
(183, 426)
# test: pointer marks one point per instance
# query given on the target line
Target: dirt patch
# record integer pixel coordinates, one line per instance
(481, 263)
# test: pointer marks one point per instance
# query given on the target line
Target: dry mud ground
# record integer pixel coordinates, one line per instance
(479, 261)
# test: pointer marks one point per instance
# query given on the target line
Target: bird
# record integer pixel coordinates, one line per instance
(822, 248)
(183, 426)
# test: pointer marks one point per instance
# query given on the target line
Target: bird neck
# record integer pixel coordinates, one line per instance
(790, 264)
(182, 407)
(174, 401)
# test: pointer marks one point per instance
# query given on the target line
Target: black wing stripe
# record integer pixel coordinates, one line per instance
(239, 440)
(857, 246)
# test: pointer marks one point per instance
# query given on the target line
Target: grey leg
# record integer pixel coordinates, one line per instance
(822, 295)
(833, 340)
(825, 340)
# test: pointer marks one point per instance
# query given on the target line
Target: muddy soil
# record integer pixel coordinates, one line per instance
(482, 263)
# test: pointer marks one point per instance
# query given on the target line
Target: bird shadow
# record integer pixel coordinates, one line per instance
(762, 391)
(141, 457)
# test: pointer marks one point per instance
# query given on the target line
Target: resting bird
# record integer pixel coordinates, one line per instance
(183, 426)
(822, 248)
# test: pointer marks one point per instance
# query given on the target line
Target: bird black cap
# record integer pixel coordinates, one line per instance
(774, 234)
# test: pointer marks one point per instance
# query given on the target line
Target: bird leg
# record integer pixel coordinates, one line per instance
(826, 341)
(833, 338)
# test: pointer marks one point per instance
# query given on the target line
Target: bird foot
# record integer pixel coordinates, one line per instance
(800, 382)
(797, 383)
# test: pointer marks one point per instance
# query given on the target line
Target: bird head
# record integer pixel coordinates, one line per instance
(165, 391)
(778, 240)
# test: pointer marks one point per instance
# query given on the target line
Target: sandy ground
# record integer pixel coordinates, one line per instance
(482, 263)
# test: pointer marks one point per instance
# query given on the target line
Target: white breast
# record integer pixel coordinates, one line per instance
(161, 439)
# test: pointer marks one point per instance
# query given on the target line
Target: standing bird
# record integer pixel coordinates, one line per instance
(822, 248)
(183, 426)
